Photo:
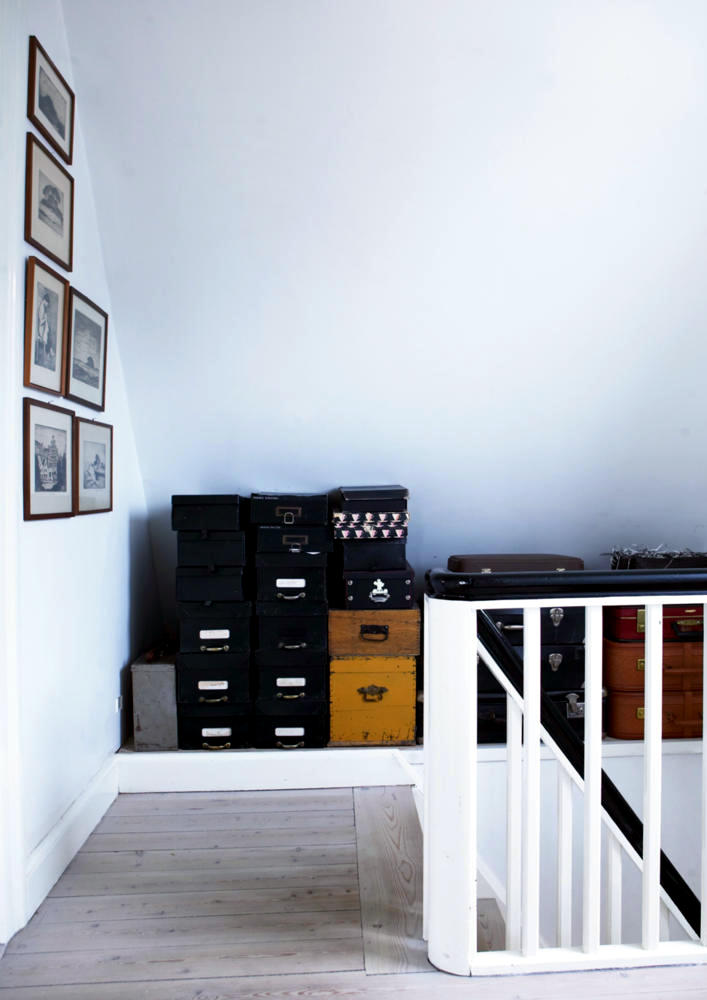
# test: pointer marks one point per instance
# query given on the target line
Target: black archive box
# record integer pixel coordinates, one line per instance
(289, 508)
(206, 512)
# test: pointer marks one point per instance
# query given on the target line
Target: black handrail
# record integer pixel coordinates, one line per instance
(567, 740)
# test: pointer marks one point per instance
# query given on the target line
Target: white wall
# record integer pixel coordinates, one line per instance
(457, 245)
(85, 592)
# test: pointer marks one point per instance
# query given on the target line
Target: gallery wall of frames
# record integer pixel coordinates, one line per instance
(67, 458)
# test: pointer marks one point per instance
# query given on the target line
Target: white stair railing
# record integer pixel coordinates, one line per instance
(451, 806)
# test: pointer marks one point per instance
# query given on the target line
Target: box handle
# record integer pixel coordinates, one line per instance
(213, 701)
(289, 746)
(291, 597)
(214, 649)
(372, 692)
(288, 514)
(292, 645)
(298, 540)
(208, 746)
(374, 633)
(289, 697)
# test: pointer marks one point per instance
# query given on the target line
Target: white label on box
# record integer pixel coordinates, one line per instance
(213, 685)
(291, 682)
(215, 633)
(289, 730)
(216, 732)
(291, 583)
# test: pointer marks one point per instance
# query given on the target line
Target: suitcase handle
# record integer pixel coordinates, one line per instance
(213, 701)
(208, 746)
(502, 627)
(214, 649)
(288, 514)
(683, 633)
(289, 746)
(289, 697)
(291, 597)
(374, 633)
(372, 692)
(292, 645)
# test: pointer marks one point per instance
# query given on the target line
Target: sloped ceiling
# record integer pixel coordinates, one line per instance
(454, 245)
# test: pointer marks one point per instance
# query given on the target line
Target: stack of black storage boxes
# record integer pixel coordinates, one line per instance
(213, 663)
(292, 541)
(371, 524)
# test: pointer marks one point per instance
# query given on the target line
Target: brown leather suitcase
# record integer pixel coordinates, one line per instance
(680, 622)
(682, 715)
(515, 562)
(624, 666)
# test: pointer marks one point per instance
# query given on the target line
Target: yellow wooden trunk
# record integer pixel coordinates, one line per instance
(372, 700)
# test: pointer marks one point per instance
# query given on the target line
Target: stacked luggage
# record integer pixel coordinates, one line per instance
(213, 662)
(561, 643)
(290, 664)
(375, 638)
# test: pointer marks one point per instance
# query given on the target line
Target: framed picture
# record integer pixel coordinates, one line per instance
(48, 460)
(93, 466)
(49, 205)
(86, 352)
(46, 314)
(50, 101)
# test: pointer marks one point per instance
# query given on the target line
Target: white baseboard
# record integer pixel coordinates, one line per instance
(48, 860)
(254, 770)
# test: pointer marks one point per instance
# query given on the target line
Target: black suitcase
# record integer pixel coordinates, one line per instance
(306, 682)
(373, 555)
(206, 512)
(211, 548)
(293, 541)
(198, 583)
(280, 629)
(491, 719)
(209, 680)
(291, 725)
(214, 727)
(558, 626)
(369, 499)
(561, 668)
(379, 588)
(215, 628)
(289, 508)
(293, 585)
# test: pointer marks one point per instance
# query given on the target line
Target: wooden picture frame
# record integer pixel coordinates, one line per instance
(51, 104)
(93, 466)
(86, 352)
(49, 205)
(47, 460)
(46, 316)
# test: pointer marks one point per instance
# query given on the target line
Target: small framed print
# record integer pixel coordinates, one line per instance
(49, 205)
(86, 352)
(50, 101)
(93, 467)
(47, 460)
(46, 314)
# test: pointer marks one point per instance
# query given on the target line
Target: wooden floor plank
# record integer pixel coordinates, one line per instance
(389, 845)
(221, 879)
(196, 904)
(323, 799)
(218, 839)
(687, 983)
(232, 959)
(245, 859)
(206, 821)
(187, 932)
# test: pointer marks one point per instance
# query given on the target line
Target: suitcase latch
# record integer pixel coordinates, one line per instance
(575, 707)
(380, 593)
(556, 615)
(555, 660)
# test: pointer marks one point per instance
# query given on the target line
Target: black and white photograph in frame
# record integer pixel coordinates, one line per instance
(93, 467)
(49, 205)
(50, 101)
(47, 460)
(86, 352)
(46, 313)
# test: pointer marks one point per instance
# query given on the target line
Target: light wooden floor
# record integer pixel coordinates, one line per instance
(261, 894)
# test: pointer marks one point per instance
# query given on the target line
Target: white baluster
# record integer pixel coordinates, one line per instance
(704, 796)
(564, 858)
(591, 916)
(531, 782)
(652, 776)
(426, 708)
(514, 821)
(614, 889)
(451, 784)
